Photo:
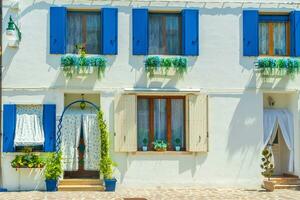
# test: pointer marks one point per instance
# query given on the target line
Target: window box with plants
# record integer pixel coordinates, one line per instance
(27, 160)
(277, 67)
(167, 66)
(81, 64)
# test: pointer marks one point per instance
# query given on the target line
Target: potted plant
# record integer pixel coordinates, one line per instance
(106, 163)
(53, 170)
(160, 145)
(178, 144)
(268, 169)
(145, 144)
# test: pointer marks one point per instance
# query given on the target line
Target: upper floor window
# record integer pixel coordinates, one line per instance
(83, 29)
(165, 33)
(274, 35)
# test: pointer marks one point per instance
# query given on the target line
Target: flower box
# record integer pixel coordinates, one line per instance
(155, 65)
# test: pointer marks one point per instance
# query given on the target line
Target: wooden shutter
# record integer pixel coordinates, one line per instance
(140, 31)
(58, 28)
(126, 123)
(109, 17)
(295, 33)
(49, 125)
(196, 125)
(190, 32)
(250, 33)
(9, 126)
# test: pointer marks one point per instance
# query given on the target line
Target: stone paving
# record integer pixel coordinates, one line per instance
(159, 194)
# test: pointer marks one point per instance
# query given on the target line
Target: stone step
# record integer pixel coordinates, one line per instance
(286, 180)
(290, 186)
(80, 182)
(80, 188)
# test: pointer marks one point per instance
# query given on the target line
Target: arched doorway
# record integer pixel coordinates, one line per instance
(80, 148)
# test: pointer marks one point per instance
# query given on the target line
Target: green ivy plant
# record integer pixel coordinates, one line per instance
(160, 145)
(269, 67)
(54, 166)
(28, 160)
(106, 163)
(267, 166)
(155, 63)
(72, 64)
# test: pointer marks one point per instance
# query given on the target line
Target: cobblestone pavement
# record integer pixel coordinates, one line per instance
(159, 193)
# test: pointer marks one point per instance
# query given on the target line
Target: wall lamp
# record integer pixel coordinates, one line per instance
(13, 33)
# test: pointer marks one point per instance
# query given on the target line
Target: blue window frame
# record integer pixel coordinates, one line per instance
(274, 35)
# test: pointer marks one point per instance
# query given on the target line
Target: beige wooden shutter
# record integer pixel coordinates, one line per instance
(125, 123)
(196, 123)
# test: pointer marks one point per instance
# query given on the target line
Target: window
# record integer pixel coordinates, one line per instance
(83, 28)
(161, 118)
(274, 35)
(165, 33)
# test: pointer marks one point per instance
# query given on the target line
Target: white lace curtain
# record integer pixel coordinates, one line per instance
(284, 119)
(29, 126)
(73, 121)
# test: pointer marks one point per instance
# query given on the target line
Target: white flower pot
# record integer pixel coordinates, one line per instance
(177, 148)
(145, 148)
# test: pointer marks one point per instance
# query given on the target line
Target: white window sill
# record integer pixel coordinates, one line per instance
(162, 153)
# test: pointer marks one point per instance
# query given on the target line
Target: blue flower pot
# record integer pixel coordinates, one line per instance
(110, 184)
(51, 185)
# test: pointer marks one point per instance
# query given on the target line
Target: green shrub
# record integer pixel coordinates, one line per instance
(29, 160)
(54, 166)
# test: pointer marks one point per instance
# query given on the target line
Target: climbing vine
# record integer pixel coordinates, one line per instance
(106, 163)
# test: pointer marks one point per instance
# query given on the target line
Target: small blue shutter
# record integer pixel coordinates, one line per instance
(9, 126)
(109, 17)
(250, 33)
(49, 125)
(58, 28)
(295, 33)
(190, 32)
(140, 31)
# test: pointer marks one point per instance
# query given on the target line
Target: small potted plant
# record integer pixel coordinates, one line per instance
(145, 144)
(53, 171)
(160, 145)
(177, 144)
(268, 169)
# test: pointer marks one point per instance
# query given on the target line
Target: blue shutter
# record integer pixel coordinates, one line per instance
(49, 125)
(9, 126)
(109, 17)
(295, 33)
(58, 28)
(190, 32)
(250, 33)
(140, 31)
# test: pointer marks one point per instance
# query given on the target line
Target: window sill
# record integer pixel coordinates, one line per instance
(162, 153)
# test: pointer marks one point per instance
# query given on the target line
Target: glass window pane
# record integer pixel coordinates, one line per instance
(263, 38)
(74, 31)
(177, 120)
(83, 29)
(142, 121)
(160, 119)
(279, 39)
(164, 34)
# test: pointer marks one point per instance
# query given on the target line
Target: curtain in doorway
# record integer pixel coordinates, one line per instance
(284, 119)
(91, 135)
(70, 136)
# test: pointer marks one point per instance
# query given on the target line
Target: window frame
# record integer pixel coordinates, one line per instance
(164, 27)
(271, 19)
(83, 13)
(169, 120)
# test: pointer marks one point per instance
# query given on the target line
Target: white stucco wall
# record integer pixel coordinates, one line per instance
(32, 75)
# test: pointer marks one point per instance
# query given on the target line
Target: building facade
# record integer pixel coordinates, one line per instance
(215, 109)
